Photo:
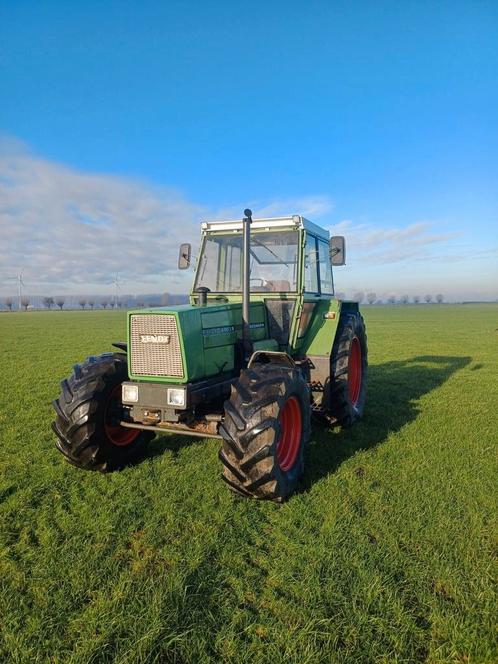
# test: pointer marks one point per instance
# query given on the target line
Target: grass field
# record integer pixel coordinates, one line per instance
(386, 555)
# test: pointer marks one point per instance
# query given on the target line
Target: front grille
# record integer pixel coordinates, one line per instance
(155, 359)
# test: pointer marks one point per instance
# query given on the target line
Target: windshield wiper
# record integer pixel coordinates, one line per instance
(268, 249)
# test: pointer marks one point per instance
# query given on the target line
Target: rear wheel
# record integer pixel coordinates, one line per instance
(88, 413)
(265, 431)
(349, 370)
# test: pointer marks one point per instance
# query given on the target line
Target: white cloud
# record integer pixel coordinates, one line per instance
(389, 245)
(313, 207)
(70, 230)
(61, 226)
(415, 259)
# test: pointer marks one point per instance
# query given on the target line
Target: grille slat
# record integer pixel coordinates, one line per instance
(155, 359)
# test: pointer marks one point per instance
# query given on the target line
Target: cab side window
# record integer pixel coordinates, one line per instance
(310, 265)
(326, 281)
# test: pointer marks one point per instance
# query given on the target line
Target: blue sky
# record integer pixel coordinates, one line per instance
(378, 119)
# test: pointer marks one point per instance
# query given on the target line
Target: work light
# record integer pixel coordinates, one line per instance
(176, 397)
(130, 393)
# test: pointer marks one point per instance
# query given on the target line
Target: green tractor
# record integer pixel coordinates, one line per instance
(262, 347)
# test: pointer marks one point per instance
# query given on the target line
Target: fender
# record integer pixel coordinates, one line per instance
(318, 353)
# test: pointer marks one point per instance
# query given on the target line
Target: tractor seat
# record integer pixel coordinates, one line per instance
(278, 286)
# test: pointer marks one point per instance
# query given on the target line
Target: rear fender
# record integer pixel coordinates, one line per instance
(349, 307)
(319, 351)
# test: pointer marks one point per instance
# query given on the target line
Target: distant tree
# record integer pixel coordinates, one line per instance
(404, 299)
(152, 304)
(25, 302)
(340, 296)
(391, 299)
(379, 301)
(439, 298)
(371, 297)
(359, 297)
(140, 304)
(48, 302)
(91, 303)
(428, 299)
(60, 302)
(82, 303)
(8, 303)
(416, 299)
(104, 303)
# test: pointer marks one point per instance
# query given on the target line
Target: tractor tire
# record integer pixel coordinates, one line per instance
(265, 431)
(88, 413)
(348, 371)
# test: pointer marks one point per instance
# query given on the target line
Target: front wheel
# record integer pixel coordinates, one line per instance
(265, 432)
(88, 413)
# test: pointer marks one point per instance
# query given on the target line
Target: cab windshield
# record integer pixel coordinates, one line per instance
(273, 262)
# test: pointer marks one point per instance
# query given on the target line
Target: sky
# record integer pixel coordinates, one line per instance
(124, 124)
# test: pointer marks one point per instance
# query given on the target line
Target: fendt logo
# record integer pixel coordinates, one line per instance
(154, 338)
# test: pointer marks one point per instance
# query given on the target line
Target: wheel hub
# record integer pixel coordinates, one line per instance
(354, 372)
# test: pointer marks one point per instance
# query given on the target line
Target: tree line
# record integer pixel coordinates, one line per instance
(49, 302)
(372, 298)
(91, 302)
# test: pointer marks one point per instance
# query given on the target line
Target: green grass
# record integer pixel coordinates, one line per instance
(386, 555)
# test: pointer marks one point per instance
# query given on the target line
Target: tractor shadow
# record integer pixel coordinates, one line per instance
(393, 390)
(172, 443)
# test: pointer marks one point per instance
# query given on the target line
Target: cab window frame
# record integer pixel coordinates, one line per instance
(328, 264)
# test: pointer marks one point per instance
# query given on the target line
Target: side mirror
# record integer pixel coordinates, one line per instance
(337, 250)
(184, 256)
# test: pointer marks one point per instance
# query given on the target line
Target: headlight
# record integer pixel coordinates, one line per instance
(176, 397)
(129, 393)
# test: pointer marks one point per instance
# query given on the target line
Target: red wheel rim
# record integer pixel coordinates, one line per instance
(290, 434)
(117, 435)
(354, 371)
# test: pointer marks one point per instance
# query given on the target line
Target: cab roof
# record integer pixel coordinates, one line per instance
(295, 222)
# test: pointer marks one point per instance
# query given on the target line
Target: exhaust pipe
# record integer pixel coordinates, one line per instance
(246, 293)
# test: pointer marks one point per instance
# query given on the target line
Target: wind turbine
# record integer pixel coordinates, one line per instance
(20, 284)
(117, 283)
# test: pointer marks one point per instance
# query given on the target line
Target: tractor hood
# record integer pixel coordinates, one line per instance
(184, 343)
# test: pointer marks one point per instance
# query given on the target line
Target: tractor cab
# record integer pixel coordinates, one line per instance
(287, 255)
(290, 270)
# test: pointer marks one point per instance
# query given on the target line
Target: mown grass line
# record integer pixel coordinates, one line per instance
(386, 554)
